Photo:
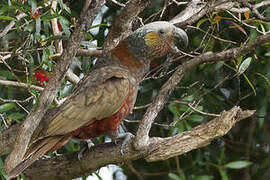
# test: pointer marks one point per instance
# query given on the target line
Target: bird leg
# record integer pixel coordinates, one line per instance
(89, 145)
(115, 136)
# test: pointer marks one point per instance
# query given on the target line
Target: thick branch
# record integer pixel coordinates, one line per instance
(159, 101)
(7, 139)
(200, 136)
(32, 121)
(68, 166)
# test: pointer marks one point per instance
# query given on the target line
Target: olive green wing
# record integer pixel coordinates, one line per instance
(98, 96)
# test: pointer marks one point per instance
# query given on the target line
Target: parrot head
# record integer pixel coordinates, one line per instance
(146, 43)
(156, 39)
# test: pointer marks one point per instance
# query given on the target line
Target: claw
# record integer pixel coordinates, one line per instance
(127, 136)
(89, 145)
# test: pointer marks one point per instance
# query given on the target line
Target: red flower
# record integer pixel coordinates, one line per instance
(59, 26)
(41, 76)
(73, 20)
(36, 14)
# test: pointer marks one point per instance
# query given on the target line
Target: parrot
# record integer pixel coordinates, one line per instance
(104, 97)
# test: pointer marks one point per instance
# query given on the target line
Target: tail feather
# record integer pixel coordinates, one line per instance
(38, 149)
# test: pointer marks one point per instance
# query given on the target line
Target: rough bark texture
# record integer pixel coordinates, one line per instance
(68, 166)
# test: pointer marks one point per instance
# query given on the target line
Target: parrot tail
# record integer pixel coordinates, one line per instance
(36, 150)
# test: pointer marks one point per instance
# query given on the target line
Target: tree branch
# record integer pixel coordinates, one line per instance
(87, 52)
(32, 121)
(19, 84)
(255, 11)
(142, 138)
(158, 149)
(198, 137)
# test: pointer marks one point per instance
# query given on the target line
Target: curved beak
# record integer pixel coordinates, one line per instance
(180, 38)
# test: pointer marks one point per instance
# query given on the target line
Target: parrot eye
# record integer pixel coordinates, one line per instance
(161, 31)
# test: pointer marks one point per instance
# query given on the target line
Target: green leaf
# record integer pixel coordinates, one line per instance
(8, 18)
(239, 60)
(195, 118)
(267, 54)
(29, 27)
(203, 177)
(33, 6)
(250, 84)
(180, 127)
(65, 25)
(267, 80)
(237, 164)
(16, 116)
(263, 29)
(223, 174)
(48, 17)
(174, 176)
(3, 174)
(173, 109)
(64, 6)
(38, 27)
(7, 75)
(222, 155)
(188, 127)
(6, 107)
(201, 22)
(243, 67)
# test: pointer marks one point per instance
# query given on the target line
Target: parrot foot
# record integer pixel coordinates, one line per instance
(89, 145)
(126, 136)
(115, 136)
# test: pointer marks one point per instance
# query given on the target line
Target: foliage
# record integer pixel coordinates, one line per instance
(28, 55)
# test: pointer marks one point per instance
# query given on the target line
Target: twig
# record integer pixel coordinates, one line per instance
(11, 24)
(15, 100)
(118, 3)
(19, 84)
(56, 32)
(255, 11)
(87, 52)
(130, 166)
(201, 112)
(142, 106)
(4, 121)
(73, 78)
(215, 37)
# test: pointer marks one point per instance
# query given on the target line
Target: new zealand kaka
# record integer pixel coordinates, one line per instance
(106, 96)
